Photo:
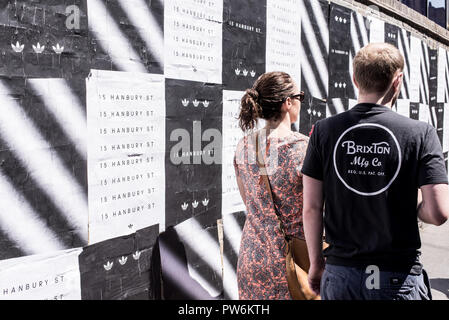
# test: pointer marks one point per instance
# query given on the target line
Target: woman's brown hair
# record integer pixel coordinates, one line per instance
(265, 98)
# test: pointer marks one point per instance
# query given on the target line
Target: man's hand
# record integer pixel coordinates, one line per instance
(315, 274)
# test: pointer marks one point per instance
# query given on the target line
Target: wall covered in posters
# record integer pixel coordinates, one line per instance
(118, 126)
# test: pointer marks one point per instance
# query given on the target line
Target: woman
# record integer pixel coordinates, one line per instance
(261, 264)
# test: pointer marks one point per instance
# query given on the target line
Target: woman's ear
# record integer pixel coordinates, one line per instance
(287, 104)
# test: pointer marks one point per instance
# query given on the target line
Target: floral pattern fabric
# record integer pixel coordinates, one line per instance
(261, 264)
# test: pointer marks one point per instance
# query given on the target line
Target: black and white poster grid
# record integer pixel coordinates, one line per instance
(119, 122)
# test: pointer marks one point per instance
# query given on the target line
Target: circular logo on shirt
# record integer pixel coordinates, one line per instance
(367, 159)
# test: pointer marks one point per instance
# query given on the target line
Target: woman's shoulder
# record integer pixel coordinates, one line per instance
(298, 138)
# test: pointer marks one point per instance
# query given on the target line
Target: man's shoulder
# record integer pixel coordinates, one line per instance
(415, 126)
(330, 122)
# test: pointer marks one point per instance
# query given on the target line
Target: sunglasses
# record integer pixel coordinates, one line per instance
(300, 96)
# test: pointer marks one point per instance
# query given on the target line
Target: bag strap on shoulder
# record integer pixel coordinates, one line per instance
(264, 177)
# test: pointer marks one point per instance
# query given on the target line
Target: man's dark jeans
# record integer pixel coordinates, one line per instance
(346, 283)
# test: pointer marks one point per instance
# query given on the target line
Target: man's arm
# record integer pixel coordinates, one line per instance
(313, 229)
(434, 207)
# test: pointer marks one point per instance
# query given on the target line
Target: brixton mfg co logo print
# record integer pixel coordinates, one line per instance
(367, 159)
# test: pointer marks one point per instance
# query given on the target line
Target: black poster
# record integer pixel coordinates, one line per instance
(439, 110)
(424, 93)
(404, 48)
(312, 110)
(193, 150)
(121, 268)
(120, 33)
(177, 284)
(200, 239)
(433, 77)
(244, 42)
(392, 34)
(340, 83)
(40, 40)
(414, 110)
(315, 43)
(233, 225)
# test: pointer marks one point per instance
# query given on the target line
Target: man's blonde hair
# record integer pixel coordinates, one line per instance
(375, 66)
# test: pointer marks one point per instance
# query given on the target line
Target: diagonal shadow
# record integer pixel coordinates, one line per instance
(8, 248)
(44, 206)
(131, 33)
(51, 130)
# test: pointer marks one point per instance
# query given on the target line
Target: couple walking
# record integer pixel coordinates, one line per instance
(364, 176)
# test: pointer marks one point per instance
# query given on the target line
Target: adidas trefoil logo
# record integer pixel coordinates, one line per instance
(17, 47)
(245, 72)
(108, 266)
(195, 204)
(58, 49)
(205, 202)
(196, 103)
(185, 102)
(184, 206)
(205, 103)
(237, 71)
(38, 48)
(136, 255)
(123, 260)
(253, 73)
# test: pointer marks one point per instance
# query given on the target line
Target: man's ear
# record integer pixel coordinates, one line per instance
(398, 81)
(355, 82)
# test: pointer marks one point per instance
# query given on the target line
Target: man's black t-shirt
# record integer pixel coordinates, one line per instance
(372, 161)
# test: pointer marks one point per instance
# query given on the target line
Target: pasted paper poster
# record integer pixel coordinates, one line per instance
(53, 276)
(415, 68)
(193, 40)
(283, 38)
(232, 201)
(126, 153)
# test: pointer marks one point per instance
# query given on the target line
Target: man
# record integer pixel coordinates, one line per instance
(365, 166)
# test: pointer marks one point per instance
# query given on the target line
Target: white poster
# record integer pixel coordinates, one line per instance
(126, 153)
(284, 38)
(376, 30)
(53, 276)
(352, 103)
(193, 40)
(446, 128)
(441, 80)
(403, 107)
(232, 201)
(424, 113)
(415, 68)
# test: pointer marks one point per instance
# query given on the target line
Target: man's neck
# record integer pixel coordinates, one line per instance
(374, 98)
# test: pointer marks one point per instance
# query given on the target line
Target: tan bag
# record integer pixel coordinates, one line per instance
(297, 257)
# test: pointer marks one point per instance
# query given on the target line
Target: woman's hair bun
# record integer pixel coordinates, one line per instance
(253, 94)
